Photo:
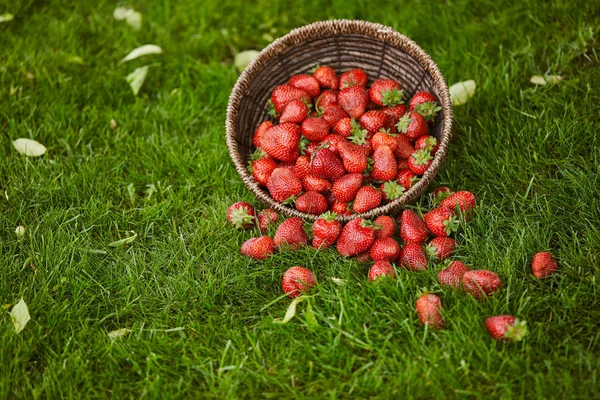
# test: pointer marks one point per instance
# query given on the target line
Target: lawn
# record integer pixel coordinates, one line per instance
(197, 309)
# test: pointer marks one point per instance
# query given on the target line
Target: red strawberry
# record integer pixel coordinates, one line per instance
(295, 111)
(440, 248)
(312, 203)
(381, 268)
(391, 190)
(352, 78)
(464, 200)
(344, 127)
(506, 327)
(406, 178)
(308, 83)
(384, 164)
(543, 265)
(363, 257)
(283, 185)
(340, 208)
(412, 256)
(387, 226)
(262, 168)
(353, 156)
(326, 76)
(258, 248)
(311, 148)
(452, 275)
(297, 280)
(441, 221)
(395, 113)
(266, 218)
(291, 233)
(241, 215)
(356, 237)
(383, 138)
(367, 198)
(326, 230)
(332, 142)
(281, 142)
(283, 94)
(260, 131)
(385, 92)
(425, 104)
(353, 100)
(325, 164)
(420, 98)
(327, 98)
(439, 194)
(429, 310)
(332, 114)
(419, 161)
(403, 164)
(345, 188)
(404, 149)
(316, 184)
(429, 143)
(481, 283)
(315, 129)
(412, 227)
(413, 125)
(384, 249)
(302, 167)
(373, 121)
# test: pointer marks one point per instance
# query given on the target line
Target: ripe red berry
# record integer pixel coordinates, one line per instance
(381, 268)
(412, 227)
(481, 283)
(506, 327)
(412, 257)
(297, 280)
(429, 309)
(290, 233)
(387, 226)
(453, 274)
(326, 230)
(312, 203)
(266, 218)
(543, 265)
(241, 215)
(258, 248)
(384, 249)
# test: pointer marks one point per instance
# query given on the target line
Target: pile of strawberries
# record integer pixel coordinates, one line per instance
(340, 145)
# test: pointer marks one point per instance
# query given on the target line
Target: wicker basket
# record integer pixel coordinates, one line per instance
(342, 44)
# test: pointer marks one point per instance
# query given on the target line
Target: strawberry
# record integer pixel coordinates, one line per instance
(308, 83)
(420, 98)
(385, 92)
(302, 167)
(316, 184)
(260, 131)
(295, 111)
(404, 149)
(283, 185)
(481, 283)
(315, 129)
(363, 257)
(440, 248)
(506, 327)
(353, 100)
(412, 227)
(281, 142)
(283, 94)
(406, 178)
(312, 203)
(367, 198)
(452, 275)
(352, 78)
(441, 221)
(412, 256)
(241, 215)
(311, 148)
(464, 200)
(425, 104)
(439, 194)
(327, 98)
(384, 164)
(429, 310)
(403, 164)
(266, 218)
(353, 156)
(297, 280)
(332, 114)
(383, 138)
(391, 190)
(262, 167)
(326, 230)
(395, 113)
(413, 125)
(381, 268)
(258, 248)
(345, 188)
(291, 233)
(373, 121)
(327, 77)
(543, 265)
(325, 164)
(419, 161)
(387, 226)
(356, 237)
(384, 249)
(429, 143)
(332, 142)
(344, 127)
(340, 208)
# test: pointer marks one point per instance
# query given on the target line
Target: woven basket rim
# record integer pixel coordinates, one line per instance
(334, 28)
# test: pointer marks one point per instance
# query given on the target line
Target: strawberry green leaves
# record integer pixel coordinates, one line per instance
(461, 92)
(20, 315)
(29, 147)
(136, 79)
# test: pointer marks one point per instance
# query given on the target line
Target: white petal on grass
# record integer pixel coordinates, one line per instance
(553, 79)
(119, 333)
(244, 58)
(29, 147)
(122, 13)
(6, 17)
(135, 20)
(20, 231)
(123, 242)
(142, 51)
(537, 80)
(136, 78)
(290, 313)
(461, 92)
(20, 315)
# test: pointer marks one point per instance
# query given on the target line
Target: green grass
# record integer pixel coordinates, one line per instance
(530, 154)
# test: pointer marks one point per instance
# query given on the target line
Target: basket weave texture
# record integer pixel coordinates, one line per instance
(342, 44)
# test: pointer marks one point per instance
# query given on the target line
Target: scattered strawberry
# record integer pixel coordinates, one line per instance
(441, 221)
(391, 190)
(367, 198)
(308, 83)
(412, 257)
(315, 129)
(345, 188)
(412, 228)
(262, 167)
(291, 233)
(352, 78)
(384, 249)
(413, 125)
(506, 327)
(266, 218)
(283, 185)
(452, 275)
(373, 121)
(295, 111)
(464, 200)
(326, 230)
(258, 248)
(332, 114)
(325, 164)
(429, 143)
(440, 248)
(543, 265)
(439, 194)
(384, 164)
(385, 92)
(481, 283)
(297, 280)
(419, 161)
(316, 184)
(241, 215)
(387, 226)
(283, 94)
(406, 178)
(260, 131)
(381, 268)
(429, 310)
(356, 237)
(327, 77)
(281, 142)
(353, 100)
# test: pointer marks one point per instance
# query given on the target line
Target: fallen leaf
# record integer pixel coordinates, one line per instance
(462, 91)
(136, 79)
(553, 79)
(537, 80)
(113, 124)
(122, 13)
(123, 242)
(244, 58)
(309, 317)
(290, 313)
(20, 231)
(75, 59)
(135, 20)
(119, 333)
(6, 17)
(29, 147)
(20, 315)
(142, 51)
